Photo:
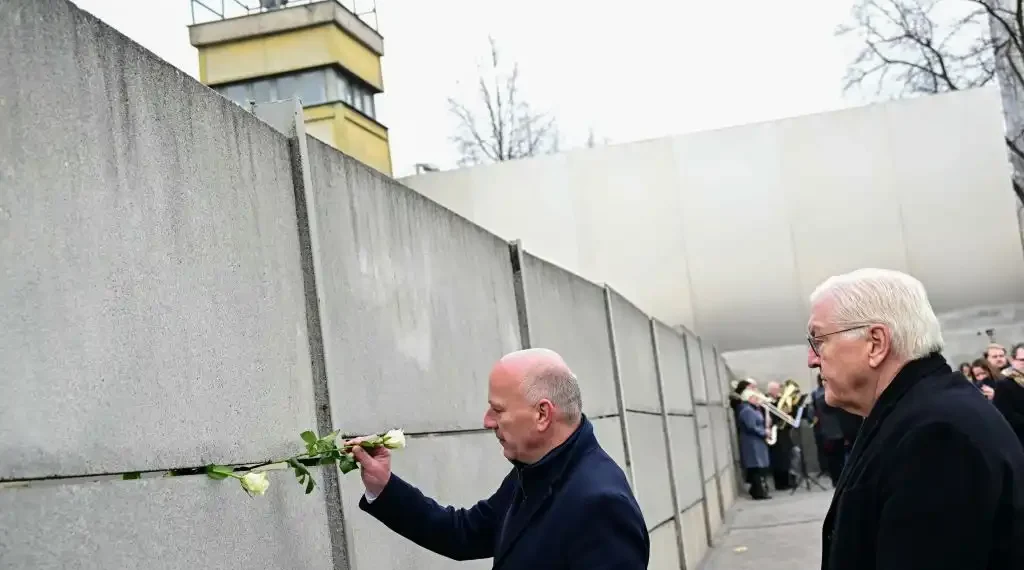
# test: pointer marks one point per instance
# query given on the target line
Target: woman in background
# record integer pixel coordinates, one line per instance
(985, 377)
(754, 456)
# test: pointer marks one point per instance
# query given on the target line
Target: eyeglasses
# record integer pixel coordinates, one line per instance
(816, 341)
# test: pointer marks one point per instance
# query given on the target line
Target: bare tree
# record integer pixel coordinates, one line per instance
(499, 124)
(916, 47)
(593, 140)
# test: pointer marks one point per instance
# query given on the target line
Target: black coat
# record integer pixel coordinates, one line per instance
(935, 481)
(1009, 399)
(573, 509)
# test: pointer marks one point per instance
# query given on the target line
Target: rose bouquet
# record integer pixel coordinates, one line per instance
(319, 451)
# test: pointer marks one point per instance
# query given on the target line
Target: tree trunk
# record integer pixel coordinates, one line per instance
(1011, 91)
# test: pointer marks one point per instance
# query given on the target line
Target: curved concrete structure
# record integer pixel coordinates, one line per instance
(728, 231)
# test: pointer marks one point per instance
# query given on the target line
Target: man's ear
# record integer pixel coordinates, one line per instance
(881, 344)
(545, 414)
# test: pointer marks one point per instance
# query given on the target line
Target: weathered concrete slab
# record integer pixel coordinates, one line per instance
(694, 361)
(684, 454)
(153, 311)
(722, 432)
(650, 466)
(711, 379)
(567, 315)
(714, 505)
(634, 346)
(453, 469)
(609, 434)
(729, 486)
(163, 524)
(417, 303)
(707, 442)
(675, 370)
(695, 535)
(664, 547)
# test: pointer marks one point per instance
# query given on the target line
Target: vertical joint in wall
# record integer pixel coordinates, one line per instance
(620, 400)
(286, 117)
(711, 428)
(708, 533)
(676, 507)
(515, 250)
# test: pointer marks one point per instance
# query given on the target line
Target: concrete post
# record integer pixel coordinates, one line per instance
(700, 456)
(711, 426)
(515, 249)
(619, 393)
(286, 117)
(676, 507)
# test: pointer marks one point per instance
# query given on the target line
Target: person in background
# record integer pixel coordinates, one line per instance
(565, 504)
(985, 377)
(781, 452)
(995, 354)
(965, 369)
(1009, 393)
(936, 476)
(829, 430)
(1016, 365)
(754, 456)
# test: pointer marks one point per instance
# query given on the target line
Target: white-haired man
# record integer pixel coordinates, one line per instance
(564, 505)
(936, 476)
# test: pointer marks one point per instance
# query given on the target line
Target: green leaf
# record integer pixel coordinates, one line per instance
(347, 463)
(308, 437)
(330, 437)
(219, 471)
(326, 460)
(310, 486)
(131, 476)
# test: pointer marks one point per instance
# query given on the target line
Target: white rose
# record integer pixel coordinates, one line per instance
(255, 483)
(394, 439)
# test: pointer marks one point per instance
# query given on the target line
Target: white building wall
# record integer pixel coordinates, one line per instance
(728, 231)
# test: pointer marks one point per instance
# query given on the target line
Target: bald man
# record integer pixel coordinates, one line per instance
(564, 505)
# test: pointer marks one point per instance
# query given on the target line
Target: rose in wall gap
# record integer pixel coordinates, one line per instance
(323, 450)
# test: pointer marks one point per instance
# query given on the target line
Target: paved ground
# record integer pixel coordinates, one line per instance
(781, 533)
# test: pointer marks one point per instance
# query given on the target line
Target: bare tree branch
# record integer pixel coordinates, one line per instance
(510, 128)
(913, 47)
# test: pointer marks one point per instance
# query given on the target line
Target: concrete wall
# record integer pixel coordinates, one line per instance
(185, 283)
(735, 227)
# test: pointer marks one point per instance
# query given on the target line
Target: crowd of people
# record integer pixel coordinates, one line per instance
(768, 458)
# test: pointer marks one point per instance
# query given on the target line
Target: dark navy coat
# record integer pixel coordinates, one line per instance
(573, 509)
(754, 451)
(935, 480)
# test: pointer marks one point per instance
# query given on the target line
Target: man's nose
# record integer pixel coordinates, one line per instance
(813, 360)
(489, 422)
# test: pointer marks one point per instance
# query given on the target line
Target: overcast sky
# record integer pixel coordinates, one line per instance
(631, 70)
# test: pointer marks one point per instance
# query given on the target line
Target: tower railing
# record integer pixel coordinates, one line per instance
(204, 11)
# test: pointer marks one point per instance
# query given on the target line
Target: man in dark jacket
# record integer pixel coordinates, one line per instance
(564, 505)
(935, 479)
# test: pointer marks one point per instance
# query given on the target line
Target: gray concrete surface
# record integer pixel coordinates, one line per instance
(417, 304)
(567, 314)
(163, 524)
(694, 359)
(153, 309)
(783, 533)
(684, 454)
(635, 349)
(705, 433)
(675, 371)
(653, 487)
